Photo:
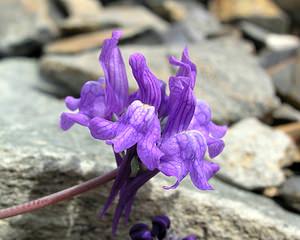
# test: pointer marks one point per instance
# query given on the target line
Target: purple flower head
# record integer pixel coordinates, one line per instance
(160, 226)
(140, 231)
(149, 131)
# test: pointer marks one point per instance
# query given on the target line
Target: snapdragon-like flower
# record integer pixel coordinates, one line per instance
(149, 131)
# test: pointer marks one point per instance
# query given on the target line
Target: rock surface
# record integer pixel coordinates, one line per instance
(86, 41)
(224, 84)
(286, 113)
(292, 7)
(261, 12)
(117, 17)
(25, 25)
(81, 15)
(290, 193)
(170, 10)
(38, 159)
(255, 155)
(197, 24)
(286, 76)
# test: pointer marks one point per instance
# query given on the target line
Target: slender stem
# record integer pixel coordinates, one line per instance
(58, 197)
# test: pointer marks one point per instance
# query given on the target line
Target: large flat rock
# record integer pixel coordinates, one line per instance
(255, 155)
(37, 159)
(229, 78)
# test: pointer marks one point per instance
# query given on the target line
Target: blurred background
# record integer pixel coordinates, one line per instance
(247, 55)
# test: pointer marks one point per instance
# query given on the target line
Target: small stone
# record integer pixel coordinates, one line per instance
(255, 155)
(81, 15)
(170, 10)
(281, 42)
(285, 74)
(292, 7)
(25, 25)
(261, 12)
(197, 25)
(86, 41)
(118, 17)
(290, 192)
(271, 192)
(286, 113)
(82, 8)
(273, 42)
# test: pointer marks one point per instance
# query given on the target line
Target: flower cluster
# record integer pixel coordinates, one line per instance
(149, 131)
(160, 227)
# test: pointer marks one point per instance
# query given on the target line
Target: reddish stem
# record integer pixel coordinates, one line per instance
(58, 197)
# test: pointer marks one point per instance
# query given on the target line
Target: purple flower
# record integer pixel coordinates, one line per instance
(140, 231)
(148, 130)
(138, 126)
(160, 226)
(189, 131)
(102, 98)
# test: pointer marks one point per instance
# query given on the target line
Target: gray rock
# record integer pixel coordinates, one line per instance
(81, 16)
(278, 43)
(255, 155)
(292, 7)
(25, 25)
(290, 192)
(286, 75)
(224, 84)
(264, 13)
(37, 159)
(117, 17)
(170, 10)
(286, 113)
(86, 41)
(197, 24)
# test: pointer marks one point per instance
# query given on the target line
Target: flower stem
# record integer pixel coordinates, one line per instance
(58, 197)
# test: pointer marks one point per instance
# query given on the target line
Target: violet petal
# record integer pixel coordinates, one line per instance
(149, 85)
(181, 112)
(115, 74)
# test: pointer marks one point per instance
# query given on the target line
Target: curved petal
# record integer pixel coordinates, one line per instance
(215, 146)
(217, 131)
(147, 149)
(201, 117)
(92, 99)
(135, 126)
(149, 85)
(186, 67)
(67, 120)
(201, 171)
(181, 150)
(102, 129)
(72, 103)
(181, 112)
(115, 75)
(163, 108)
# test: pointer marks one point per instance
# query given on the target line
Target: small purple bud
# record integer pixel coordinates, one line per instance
(160, 225)
(190, 237)
(140, 231)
